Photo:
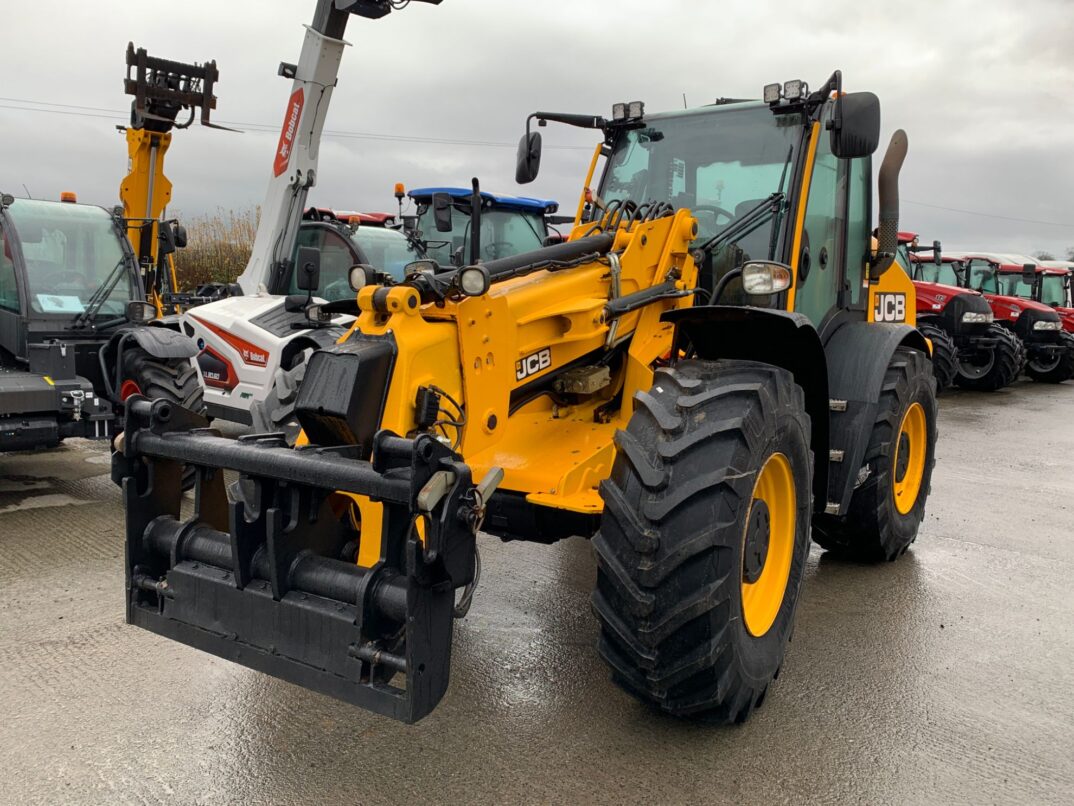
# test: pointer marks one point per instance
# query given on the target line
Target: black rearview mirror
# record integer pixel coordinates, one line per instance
(180, 236)
(529, 158)
(442, 204)
(308, 268)
(1029, 273)
(858, 135)
(937, 253)
(166, 236)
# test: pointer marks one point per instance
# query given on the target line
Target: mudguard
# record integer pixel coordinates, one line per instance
(780, 338)
(858, 354)
(159, 342)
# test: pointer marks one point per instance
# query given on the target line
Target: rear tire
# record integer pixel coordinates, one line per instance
(1063, 371)
(1008, 357)
(691, 621)
(944, 355)
(887, 509)
(172, 379)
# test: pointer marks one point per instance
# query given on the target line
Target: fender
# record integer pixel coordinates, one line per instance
(159, 342)
(783, 339)
(858, 354)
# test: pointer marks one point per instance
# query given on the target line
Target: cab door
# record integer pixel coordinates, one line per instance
(833, 249)
(11, 332)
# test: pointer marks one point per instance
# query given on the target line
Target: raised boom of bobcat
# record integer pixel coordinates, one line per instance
(592, 393)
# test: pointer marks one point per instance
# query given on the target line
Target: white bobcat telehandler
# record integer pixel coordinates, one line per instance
(253, 346)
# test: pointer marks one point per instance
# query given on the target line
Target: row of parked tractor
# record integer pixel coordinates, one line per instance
(992, 316)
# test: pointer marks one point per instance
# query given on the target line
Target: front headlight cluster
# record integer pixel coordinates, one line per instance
(1047, 325)
(977, 318)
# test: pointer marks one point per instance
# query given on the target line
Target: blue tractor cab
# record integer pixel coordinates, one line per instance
(509, 225)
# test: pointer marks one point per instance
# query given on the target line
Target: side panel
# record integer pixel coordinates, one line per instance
(858, 354)
(892, 299)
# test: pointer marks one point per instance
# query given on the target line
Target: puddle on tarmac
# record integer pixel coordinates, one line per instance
(43, 502)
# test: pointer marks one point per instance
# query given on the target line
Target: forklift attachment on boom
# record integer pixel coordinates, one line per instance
(270, 581)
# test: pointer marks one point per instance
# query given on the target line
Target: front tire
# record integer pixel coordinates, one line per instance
(1003, 367)
(704, 536)
(1062, 371)
(171, 379)
(944, 356)
(887, 509)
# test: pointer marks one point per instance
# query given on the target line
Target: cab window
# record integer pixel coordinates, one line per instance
(9, 292)
(818, 273)
(859, 240)
(336, 261)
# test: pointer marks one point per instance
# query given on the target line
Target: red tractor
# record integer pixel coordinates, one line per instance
(1051, 287)
(1049, 350)
(968, 347)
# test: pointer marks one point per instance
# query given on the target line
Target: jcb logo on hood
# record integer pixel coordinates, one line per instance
(889, 308)
(532, 364)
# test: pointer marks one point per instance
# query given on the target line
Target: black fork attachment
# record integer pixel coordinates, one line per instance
(269, 580)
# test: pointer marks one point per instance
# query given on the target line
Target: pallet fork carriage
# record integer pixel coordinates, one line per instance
(695, 379)
(162, 89)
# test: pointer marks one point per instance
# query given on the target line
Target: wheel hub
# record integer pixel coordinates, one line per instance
(977, 365)
(902, 461)
(758, 531)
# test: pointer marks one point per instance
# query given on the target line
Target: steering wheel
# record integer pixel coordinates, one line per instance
(493, 250)
(716, 211)
(56, 280)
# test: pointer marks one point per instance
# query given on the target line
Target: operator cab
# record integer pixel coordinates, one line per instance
(343, 245)
(510, 225)
(739, 167)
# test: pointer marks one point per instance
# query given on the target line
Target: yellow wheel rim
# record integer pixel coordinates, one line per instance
(768, 544)
(909, 466)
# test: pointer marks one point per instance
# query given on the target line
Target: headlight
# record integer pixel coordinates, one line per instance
(1047, 325)
(360, 276)
(976, 318)
(474, 281)
(765, 277)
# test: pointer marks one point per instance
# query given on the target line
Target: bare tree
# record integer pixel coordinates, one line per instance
(1042, 255)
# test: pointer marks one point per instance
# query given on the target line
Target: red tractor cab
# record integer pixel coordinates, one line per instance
(968, 348)
(1001, 278)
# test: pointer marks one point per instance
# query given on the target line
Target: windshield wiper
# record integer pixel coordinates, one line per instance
(770, 209)
(100, 295)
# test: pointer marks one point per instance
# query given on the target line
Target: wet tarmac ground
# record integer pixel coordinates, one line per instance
(946, 677)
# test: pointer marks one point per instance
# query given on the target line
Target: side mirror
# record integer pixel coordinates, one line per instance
(529, 158)
(1029, 273)
(180, 236)
(308, 268)
(937, 253)
(294, 303)
(166, 236)
(442, 204)
(858, 134)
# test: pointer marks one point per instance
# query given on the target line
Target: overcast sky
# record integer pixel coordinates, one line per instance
(984, 89)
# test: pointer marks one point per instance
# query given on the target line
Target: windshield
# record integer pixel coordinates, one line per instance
(983, 278)
(945, 273)
(719, 163)
(1014, 286)
(70, 250)
(385, 249)
(1053, 290)
(504, 233)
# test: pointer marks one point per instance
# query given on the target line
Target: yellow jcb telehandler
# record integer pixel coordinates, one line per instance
(716, 363)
